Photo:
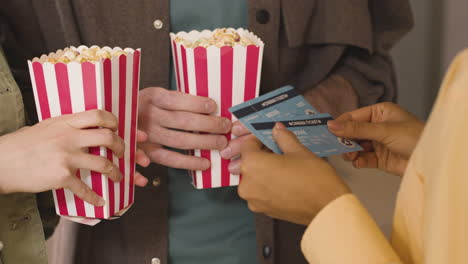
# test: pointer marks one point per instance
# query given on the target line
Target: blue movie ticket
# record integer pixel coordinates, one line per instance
(286, 105)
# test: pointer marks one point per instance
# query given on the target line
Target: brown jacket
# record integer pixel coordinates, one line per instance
(310, 44)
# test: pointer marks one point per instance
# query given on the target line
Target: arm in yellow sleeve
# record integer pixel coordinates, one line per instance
(344, 232)
(431, 213)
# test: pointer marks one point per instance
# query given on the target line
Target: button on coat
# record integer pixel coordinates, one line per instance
(158, 24)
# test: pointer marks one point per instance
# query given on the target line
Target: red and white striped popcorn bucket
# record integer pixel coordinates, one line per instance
(229, 76)
(108, 84)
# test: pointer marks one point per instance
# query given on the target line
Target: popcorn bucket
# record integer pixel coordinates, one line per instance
(229, 75)
(108, 84)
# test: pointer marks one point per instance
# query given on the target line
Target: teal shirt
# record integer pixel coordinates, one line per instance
(214, 225)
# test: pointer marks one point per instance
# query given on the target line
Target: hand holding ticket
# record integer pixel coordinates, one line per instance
(287, 106)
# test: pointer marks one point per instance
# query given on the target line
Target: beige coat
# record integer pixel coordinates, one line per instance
(431, 216)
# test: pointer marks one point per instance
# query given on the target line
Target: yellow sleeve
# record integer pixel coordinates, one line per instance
(431, 215)
(344, 232)
(432, 205)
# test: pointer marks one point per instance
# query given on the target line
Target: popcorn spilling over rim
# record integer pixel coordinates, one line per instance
(219, 37)
(83, 54)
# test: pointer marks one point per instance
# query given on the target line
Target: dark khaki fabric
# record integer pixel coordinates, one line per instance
(21, 230)
(307, 42)
(21, 233)
(11, 101)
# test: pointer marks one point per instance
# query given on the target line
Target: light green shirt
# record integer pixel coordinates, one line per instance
(214, 225)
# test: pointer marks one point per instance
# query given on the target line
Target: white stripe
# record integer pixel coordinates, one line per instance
(75, 77)
(115, 111)
(193, 91)
(238, 88)
(238, 80)
(136, 123)
(128, 112)
(36, 98)
(51, 87)
(259, 71)
(57, 211)
(102, 150)
(214, 92)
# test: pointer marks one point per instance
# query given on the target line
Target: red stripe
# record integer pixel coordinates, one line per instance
(227, 64)
(107, 69)
(41, 90)
(122, 95)
(133, 122)
(251, 72)
(201, 71)
(176, 65)
(80, 208)
(63, 87)
(90, 98)
(187, 90)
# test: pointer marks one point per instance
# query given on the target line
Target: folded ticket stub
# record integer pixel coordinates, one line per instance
(287, 106)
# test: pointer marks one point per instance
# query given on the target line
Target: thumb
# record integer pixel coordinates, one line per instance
(286, 140)
(359, 130)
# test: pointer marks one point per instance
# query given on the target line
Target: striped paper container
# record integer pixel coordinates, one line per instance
(228, 75)
(111, 85)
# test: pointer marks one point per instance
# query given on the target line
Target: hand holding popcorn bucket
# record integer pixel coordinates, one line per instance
(79, 79)
(225, 65)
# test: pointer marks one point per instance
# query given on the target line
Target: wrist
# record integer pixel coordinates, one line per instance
(7, 162)
(5, 178)
(339, 189)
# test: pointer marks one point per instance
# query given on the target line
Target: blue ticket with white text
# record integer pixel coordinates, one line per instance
(286, 105)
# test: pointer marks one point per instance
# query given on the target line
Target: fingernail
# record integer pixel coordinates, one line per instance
(101, 202)
(222, 142)
(227, 125)
(210, 106)
(235, 129)
(335, 125)
(118, 178)
(234, 167)
(225, 153)
(206, 164)
(280, 125)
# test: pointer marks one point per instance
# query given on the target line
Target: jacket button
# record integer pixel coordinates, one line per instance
(262, 16)
(1, 245)
(266, 251)
(155, 261)
(156, 181)
(158, 24)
